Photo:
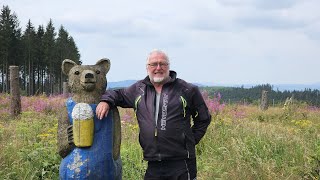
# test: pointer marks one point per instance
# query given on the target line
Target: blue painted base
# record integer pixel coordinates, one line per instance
(95, 162)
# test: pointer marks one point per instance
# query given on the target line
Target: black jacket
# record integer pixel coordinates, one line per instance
(172, 137)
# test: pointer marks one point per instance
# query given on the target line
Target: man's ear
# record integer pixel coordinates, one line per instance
(67, 64)
(105, 63)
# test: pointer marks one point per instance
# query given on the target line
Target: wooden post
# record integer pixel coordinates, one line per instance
(264, 100)
(15, 101)
(65, 90)
(273, 102)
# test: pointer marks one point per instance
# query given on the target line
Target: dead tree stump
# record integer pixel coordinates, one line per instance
(15, 100)
(264, 100)
(65, 90)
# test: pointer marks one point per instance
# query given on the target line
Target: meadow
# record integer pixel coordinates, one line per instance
(242, 142)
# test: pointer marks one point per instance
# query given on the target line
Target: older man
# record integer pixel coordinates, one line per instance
(164, 106)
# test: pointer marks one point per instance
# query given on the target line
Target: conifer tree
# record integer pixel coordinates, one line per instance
(65, 49)
(37, 53)
(49, 56)
(10, 35)
(40, 64)
(29, 58)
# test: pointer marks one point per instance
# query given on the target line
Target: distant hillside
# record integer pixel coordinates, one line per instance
(120, 84)
(127, 83)
(280, 87)
(298, 87)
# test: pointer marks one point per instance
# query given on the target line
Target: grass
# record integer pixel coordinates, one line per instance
(242, 142)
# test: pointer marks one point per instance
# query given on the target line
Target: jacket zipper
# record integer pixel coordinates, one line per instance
(154, 111)
(156, 124)
(156, 132)
(185, 144)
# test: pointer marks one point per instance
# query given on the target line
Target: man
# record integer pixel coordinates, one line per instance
(164, 106)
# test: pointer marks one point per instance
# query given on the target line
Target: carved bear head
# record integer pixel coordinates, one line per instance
(86, 78)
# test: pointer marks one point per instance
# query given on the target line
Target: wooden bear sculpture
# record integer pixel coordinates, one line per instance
(90, 147)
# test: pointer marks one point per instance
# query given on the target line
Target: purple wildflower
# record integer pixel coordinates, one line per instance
(214, 104)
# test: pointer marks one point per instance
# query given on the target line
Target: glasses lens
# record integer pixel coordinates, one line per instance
(154, 65)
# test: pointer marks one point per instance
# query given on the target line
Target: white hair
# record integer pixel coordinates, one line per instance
(158, 51)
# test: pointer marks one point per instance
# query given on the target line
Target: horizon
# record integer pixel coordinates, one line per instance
(280, 87)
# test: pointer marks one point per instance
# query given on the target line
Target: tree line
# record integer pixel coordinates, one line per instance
(253, 95)
(38, 52)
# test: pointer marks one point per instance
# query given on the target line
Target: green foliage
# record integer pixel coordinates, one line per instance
(31, 151)
(132, 163)
(314, 172)
(253, 95)
(37, 52)
(253, 145)
(131, 152)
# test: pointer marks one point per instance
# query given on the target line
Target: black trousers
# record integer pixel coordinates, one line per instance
(172, 170)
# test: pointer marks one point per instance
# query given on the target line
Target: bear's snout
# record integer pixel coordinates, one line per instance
(89, 75)
(88, 80)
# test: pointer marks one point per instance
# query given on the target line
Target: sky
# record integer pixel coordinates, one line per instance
(211, 41)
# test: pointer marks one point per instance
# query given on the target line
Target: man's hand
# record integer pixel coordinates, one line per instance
(102, 110)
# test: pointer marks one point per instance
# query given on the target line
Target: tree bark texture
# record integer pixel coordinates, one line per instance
(15, 101)
(264, 100)
(65, 89)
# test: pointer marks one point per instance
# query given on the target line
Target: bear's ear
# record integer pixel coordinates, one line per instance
(67, 64)
(104, 63)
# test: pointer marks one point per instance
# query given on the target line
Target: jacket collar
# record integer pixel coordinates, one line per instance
(172, 74)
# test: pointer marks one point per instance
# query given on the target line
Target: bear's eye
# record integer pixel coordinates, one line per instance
(77, 73)
(97, 71)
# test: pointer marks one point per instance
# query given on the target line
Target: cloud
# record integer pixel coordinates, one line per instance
(274, 4)
(270, 22)
(260, 4)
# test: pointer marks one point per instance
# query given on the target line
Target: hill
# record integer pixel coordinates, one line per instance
(120, 84)
(280, 87)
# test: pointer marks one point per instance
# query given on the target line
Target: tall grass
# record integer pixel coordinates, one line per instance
(28, 142)
(242, 142)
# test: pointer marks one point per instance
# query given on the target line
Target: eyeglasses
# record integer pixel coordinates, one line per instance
(162, 65)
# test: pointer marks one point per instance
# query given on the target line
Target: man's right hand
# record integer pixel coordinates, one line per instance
(102, 110)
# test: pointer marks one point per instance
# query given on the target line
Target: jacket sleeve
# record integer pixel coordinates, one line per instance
(200, 115)
(120, 97)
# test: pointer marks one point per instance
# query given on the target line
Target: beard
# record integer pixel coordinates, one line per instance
(158, 79)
